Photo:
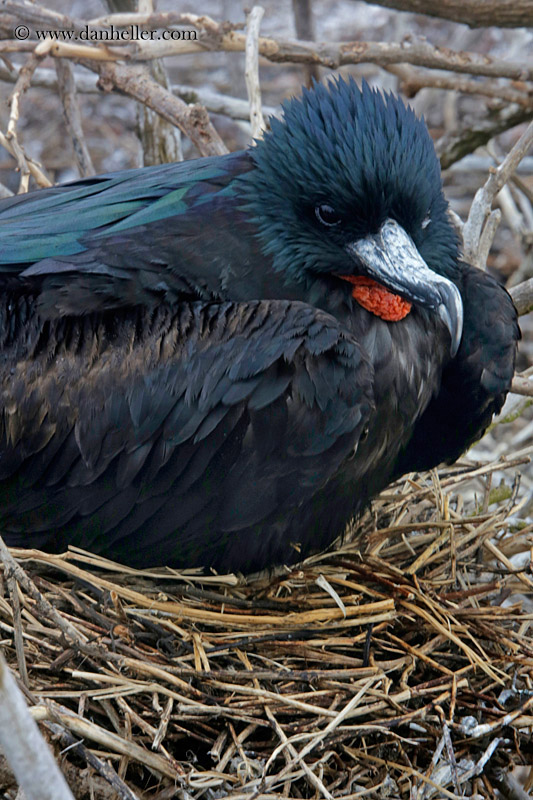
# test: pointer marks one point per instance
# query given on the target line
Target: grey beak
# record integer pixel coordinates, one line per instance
(391, 258)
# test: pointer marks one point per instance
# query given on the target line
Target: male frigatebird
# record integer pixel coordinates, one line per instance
(219, 362)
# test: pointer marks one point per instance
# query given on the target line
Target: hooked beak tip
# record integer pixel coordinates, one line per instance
(451, 313)
(391, 258)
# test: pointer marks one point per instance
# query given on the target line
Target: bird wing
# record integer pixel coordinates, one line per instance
(183, 437)
(475, 383)
(123, 238)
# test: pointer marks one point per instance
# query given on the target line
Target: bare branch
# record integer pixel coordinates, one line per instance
(523, 296)
(41, 16)
(513, 216)
(17, 627)
(216, 36)
(412, 81)
(251, 71)
(44, 78)
(513, 408)
(475, 13)
(456, 221)
(508, 785)
(71, 109)
(500, 175)
(79, 51)
(10, 140)
(134, 81)
(18, 573)
(475, 133)
(161, 140)
(14, 146)
(305, 29)
(476, 240)
(15, 46)
(522, 386)
(328, 54)
(487, 236)
(103, 768)
(86, 729)
(214, 102)
(26, 751)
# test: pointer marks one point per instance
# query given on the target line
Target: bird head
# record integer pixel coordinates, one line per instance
(346, 193)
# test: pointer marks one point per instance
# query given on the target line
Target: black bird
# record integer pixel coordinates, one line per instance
(220, 362)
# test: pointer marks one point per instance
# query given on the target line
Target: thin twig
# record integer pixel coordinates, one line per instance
(136, 82)
(10, 140)
(251, 70)
(17, 627)
(23, 160)
(112, 741)
(412, 81)
(215, 102)
(133, 80)
(66, 627)
(67, 740)
(475, 131)
(508, 786)
(71, 109)
(305, 29)
(27, 753)
(480, 227)
(22, 83)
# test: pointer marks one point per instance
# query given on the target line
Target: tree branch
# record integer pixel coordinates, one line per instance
(305, 29)
(479, 229)
(251, 71)
(475, 13)
(522, 386)
(475, 133)
(10, 140)
(412, 81)
(133, 80)
(160, 139)
(192, 120)
(103, 768)
(522, 295)
(85, 729)
(26, 751)
(71, 110)
(214, 102)
(508, 786)
(215, 36)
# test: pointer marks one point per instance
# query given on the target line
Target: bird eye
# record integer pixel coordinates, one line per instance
(425, 221)
(327, 215)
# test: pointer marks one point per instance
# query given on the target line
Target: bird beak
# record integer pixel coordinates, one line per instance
(391, 258)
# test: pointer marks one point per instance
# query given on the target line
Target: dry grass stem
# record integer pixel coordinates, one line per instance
(214, 684)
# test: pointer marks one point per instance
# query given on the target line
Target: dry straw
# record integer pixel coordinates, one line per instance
(397, 665)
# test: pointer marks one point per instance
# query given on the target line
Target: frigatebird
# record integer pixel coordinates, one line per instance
(220, 362)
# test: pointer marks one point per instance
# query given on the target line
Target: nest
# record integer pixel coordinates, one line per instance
(398, 665)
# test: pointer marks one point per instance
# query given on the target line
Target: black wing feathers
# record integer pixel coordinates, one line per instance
(128, 238)
(221, 413)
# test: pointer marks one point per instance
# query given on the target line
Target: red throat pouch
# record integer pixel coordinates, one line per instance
(376, 298)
